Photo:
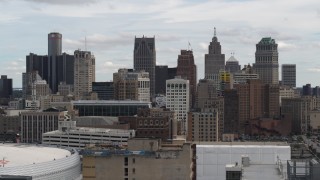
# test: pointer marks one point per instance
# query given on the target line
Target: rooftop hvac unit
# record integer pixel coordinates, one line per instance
(245, 160)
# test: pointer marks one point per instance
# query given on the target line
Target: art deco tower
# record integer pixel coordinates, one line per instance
(144, 58)
(214, 60)
(266, 65)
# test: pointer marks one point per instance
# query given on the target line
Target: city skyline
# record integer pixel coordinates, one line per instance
(110, 28)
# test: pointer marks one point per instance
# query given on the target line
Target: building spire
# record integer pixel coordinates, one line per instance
(215, 32)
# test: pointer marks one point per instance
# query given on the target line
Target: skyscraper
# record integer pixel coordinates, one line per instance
(54, 50)
(5, 87)
(266, 64)
(289, 75)
(214, 60)
(232, 65)
(38, 63)
(177, 94)
(188, 70)
(144, 58)
(84, 73)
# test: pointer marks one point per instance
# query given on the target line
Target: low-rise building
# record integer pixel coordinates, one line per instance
(68, 135)
(203, 125)
(143, 159)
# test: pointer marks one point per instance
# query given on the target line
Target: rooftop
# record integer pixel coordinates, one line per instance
(110, 102)
(267, 40)
(22, 154)
(91, 130)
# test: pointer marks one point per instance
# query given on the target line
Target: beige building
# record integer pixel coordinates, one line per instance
(34, 123)
(143, 159)
(45, 101)
(84, 73)
(315, 120)
(203, 126)
(131, 85)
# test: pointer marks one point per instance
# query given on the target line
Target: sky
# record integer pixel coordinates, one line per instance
(110, 26)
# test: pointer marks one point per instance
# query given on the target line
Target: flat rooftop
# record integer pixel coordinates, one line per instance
(12, 155)
(280, 143)
(86, 130)
(110, 102)
(263, 172)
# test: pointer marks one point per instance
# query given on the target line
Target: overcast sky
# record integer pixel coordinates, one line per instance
(111, 25)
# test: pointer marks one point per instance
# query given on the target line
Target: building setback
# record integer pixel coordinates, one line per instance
(266, 64)
(144, 58)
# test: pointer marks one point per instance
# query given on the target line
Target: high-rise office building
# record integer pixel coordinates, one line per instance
(232, 65)
(188, 70)
(214, 60)
(289, 75)
(178, 98)
(84, 73)
(144, 58)
(5, 87)
(131, 85)
(266, 64)
(38, 63)
(250, 102)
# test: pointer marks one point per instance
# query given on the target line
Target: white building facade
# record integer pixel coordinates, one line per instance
(68, 135)
(178, 99)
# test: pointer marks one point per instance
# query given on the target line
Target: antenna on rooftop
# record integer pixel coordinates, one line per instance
(85, 43)
(189, 46)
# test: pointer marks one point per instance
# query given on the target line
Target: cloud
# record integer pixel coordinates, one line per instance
(64, 2)
(316, 69)
(286, 46)
(8, 18)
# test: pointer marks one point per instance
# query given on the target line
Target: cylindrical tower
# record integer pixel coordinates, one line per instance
(54, 44)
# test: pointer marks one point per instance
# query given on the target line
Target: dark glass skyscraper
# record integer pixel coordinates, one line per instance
(144, 58)
(54, 50)
(5, 87)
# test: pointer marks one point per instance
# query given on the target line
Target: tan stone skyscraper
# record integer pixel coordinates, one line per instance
(84, 73)
(266, 65)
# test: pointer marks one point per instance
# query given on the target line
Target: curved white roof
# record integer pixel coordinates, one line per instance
(39, 162)
(22, 154)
